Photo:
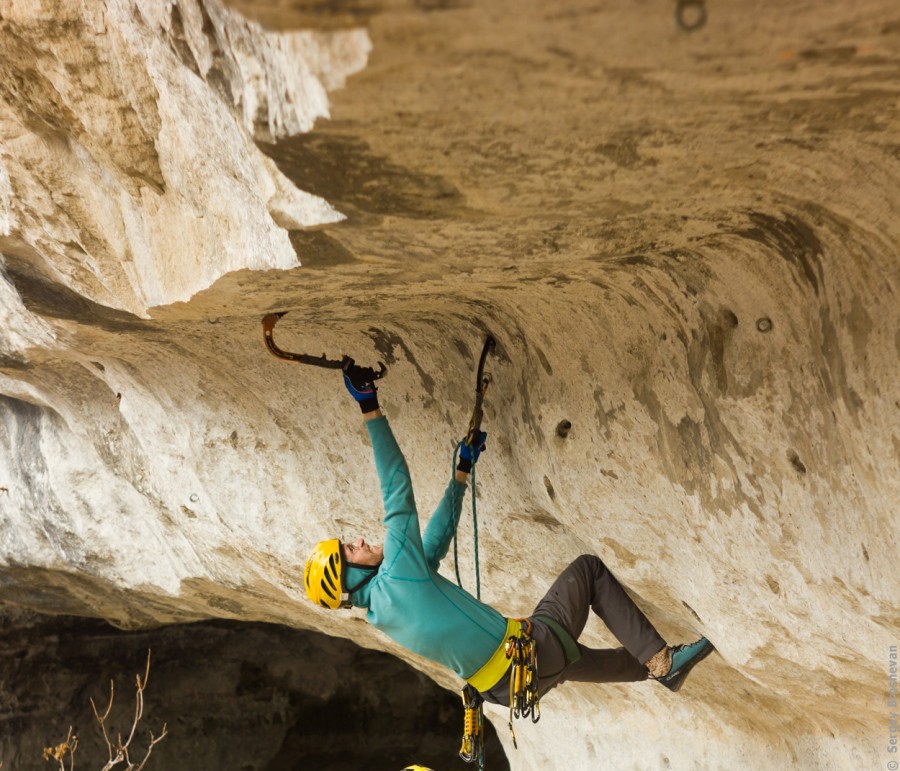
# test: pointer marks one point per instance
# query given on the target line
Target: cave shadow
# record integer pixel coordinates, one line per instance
(235, 697)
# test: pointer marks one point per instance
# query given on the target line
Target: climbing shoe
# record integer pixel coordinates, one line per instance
(684, 659)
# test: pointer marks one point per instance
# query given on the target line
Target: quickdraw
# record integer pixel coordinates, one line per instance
(358, 375)
(482, 382)
(472, 749)
(524, 700)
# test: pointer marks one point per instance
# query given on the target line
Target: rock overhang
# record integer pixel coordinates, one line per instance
(684, 246)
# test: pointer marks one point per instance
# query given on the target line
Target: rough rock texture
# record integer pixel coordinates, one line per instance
(129, 173)
(685, 245)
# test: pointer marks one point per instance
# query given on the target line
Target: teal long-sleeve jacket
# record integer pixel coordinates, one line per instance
(408, 599)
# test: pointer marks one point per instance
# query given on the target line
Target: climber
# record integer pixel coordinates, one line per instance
(407, 599)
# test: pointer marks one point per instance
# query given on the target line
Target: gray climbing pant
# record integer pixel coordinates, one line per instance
(586, 585)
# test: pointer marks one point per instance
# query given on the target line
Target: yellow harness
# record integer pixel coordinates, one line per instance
(492, 672)
(519, 651)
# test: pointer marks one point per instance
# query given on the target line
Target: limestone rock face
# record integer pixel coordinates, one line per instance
(129, 173)
(683, 243)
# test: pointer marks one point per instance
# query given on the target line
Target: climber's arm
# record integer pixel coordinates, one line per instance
(443, 523)
(401, 519)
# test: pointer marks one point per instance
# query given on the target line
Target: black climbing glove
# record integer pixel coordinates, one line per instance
(468, 453)
(362, 390)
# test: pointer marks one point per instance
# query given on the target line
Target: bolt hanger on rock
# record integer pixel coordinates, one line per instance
(690, 15)
(357, 374)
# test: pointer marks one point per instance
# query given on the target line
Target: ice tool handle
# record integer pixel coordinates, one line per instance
(359, 376)
(481, 383)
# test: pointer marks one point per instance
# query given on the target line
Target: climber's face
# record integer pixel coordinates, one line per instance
(360, 553)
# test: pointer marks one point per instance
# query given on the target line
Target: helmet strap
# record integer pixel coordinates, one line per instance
(372, 570)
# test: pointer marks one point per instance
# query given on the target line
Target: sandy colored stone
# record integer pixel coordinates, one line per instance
(684, 245)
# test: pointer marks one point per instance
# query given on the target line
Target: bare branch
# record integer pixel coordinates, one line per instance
(60, 752)
(112, 693)
(138, 709)
(146, 673)
(73, 745)
(153, 742)
(102, 720)
(119, 751)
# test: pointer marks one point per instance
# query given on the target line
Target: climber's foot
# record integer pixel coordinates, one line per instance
(684, 659)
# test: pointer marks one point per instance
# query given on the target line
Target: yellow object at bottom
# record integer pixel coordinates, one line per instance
(492, 672)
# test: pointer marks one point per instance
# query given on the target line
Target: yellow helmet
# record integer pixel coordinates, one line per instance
(416, 768)
(322, 575)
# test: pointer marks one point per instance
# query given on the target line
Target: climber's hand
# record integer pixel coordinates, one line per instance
(362, 390)
(469, 453)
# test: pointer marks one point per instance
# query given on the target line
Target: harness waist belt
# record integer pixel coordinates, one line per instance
(492, 672)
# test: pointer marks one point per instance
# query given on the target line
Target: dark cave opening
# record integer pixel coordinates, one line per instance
(235, 697)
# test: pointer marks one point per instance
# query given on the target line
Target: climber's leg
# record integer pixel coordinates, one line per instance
(604, 665)
(587, 583)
